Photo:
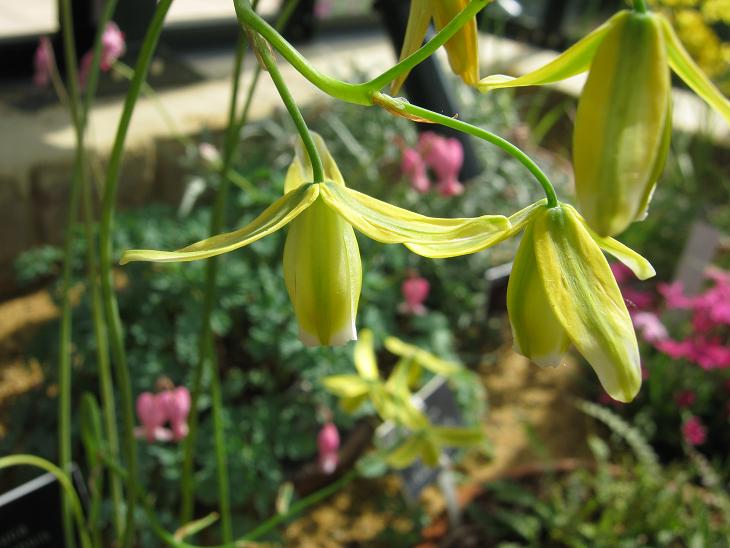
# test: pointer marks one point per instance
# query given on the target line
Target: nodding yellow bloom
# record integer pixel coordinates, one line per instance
(322, 266)
(562, 291)
(623, 123)
(461, 48)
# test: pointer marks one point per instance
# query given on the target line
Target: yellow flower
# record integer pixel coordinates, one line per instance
(461, 48)
(623, 124)
(322, 265)
(562, 291)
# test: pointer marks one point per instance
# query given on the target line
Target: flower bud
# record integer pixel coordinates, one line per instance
(623, 124)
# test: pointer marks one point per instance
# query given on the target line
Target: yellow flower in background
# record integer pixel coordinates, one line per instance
(461, 48)
(561, 291)
(623, 124)
(322, 265)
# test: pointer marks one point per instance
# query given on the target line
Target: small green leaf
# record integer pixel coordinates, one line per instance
(346, 386)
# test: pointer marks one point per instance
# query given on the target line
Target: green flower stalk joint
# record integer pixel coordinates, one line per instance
(623, 123)
(322, 265)
(461, 48)
(562, 291)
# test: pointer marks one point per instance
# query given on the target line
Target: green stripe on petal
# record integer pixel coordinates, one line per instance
(586, 300)
(682, 64)
(574, 60)
(639, 265)
(389, 224)
(274, 217)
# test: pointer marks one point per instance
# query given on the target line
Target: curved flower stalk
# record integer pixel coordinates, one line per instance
(321, 259)
(461, 48)
(623, 123)
(562, 291)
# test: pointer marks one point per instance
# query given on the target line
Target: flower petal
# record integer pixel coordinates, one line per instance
(404, 455)
(323, 275)
(479, 242)
(425, 359)
(681, 63)
(586, 300)
(536, 332)
(389, 224)
(462, 46)
(365, 360)
(346, 386)
(638, 264)
(574, 60)
(274, 217)
(419, 17)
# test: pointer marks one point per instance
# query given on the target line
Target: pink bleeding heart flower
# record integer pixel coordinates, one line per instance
(113, 46)
(152, 413)
(650, 326)
(177, 402)
(328, 443)
(693, 431)
(43, 62)
(413, 167)
(444, 156)
(415, 290)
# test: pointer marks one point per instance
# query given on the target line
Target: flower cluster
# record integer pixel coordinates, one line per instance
(704, 342)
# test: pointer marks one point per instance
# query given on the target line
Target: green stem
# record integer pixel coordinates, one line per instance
(235, 124)
(220, 443)
(300, 506)
(64, 359)
(293, 109)
(63, 479)
(352, 93)
(216, 223)
(470, 11)
(92, 78)
(640, 6)
(360, 94)
(106, 387)
(105, 243)
(401, 105)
